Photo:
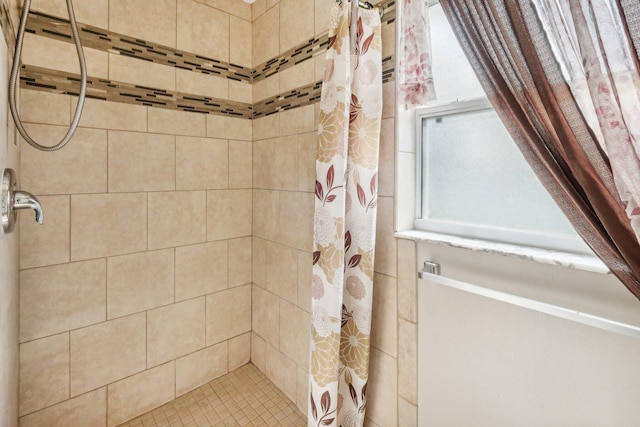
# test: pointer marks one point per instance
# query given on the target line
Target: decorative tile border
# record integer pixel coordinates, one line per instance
(36, 78)
(108, 41)
(44, 79)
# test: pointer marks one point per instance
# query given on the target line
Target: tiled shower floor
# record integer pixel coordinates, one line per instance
(243, 397)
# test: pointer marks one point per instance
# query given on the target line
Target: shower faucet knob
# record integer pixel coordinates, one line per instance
(12, 200)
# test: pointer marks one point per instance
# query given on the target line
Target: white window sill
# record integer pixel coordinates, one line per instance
(544, 256)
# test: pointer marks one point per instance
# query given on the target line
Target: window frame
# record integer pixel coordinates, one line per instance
(549, 241)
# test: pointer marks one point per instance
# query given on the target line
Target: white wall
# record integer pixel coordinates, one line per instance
(489, 363)
(9, 291)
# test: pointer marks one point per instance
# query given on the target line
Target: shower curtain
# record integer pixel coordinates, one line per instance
(345, 217)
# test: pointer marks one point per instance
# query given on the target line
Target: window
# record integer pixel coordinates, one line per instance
(472, 179)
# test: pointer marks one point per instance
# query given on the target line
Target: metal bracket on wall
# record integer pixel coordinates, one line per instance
(429, 268)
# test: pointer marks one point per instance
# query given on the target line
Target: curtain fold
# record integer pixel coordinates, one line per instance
(345, 217)
(550, 72)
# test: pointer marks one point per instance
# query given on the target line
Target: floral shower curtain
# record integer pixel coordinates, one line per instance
(345, 217)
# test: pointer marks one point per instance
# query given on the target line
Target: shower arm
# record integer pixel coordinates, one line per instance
(15, 71)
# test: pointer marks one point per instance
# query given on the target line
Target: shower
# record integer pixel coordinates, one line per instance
(15, 71)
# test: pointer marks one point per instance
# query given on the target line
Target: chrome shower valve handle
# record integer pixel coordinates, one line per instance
(12, 200)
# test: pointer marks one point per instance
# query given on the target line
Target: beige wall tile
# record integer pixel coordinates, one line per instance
(228, 214)
(261, 164)
(384, 316)
(239, 351)
(124, 18)
(228, 314)
(86, 410)
(266, 88)
(61, 298)
(202, 85)
(282, 271)
(203, 30)
(258, 352)
(302, 393)
(175, 330)
(297, 120)
(388, 39)
(407, 291)
(44, 373)
(233, 7)
(240, 251)
(296, 219)
(174, 122)
(407, 414)
(177, 218)
(134, 71)
(282, 163)
(141, 393)
(47, 243)
(385, 256)
(257, 8)
(294, 333)
(113, 115)
(201, 269)
(92, 12)
(62, 56)
(199, 368)
(408, 361)
(81, 167)
(382, 402)
(240, 164)
(266, 127)
(296, 23)
(282, 371)
(139, 282)
(240, 42)
(202, 163)
(266, 213)
(240, 91)
(322, 15)
(298, 75)
(305, 266)
(389, 100)
(266, 315)
(108, 224)
(387, 160)
(117, 347)
(265, 45)
(56, 113)
(307, 144)
(229, 128)
(141, 162)
(259, 261)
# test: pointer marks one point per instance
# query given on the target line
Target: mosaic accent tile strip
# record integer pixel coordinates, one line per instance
(306, 95)
(44, 79)
(97, 38)
(313, 47)
(108, 41)
(36, 78)
(243, 397)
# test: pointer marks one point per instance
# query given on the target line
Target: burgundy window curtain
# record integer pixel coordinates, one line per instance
(563, 76)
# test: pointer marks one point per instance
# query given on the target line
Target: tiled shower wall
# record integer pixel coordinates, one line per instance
(139, 286)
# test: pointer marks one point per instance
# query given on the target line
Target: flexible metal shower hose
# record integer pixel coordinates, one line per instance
(15, 71)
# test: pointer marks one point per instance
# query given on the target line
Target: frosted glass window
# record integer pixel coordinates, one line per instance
(472, 179)
(475, 174)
